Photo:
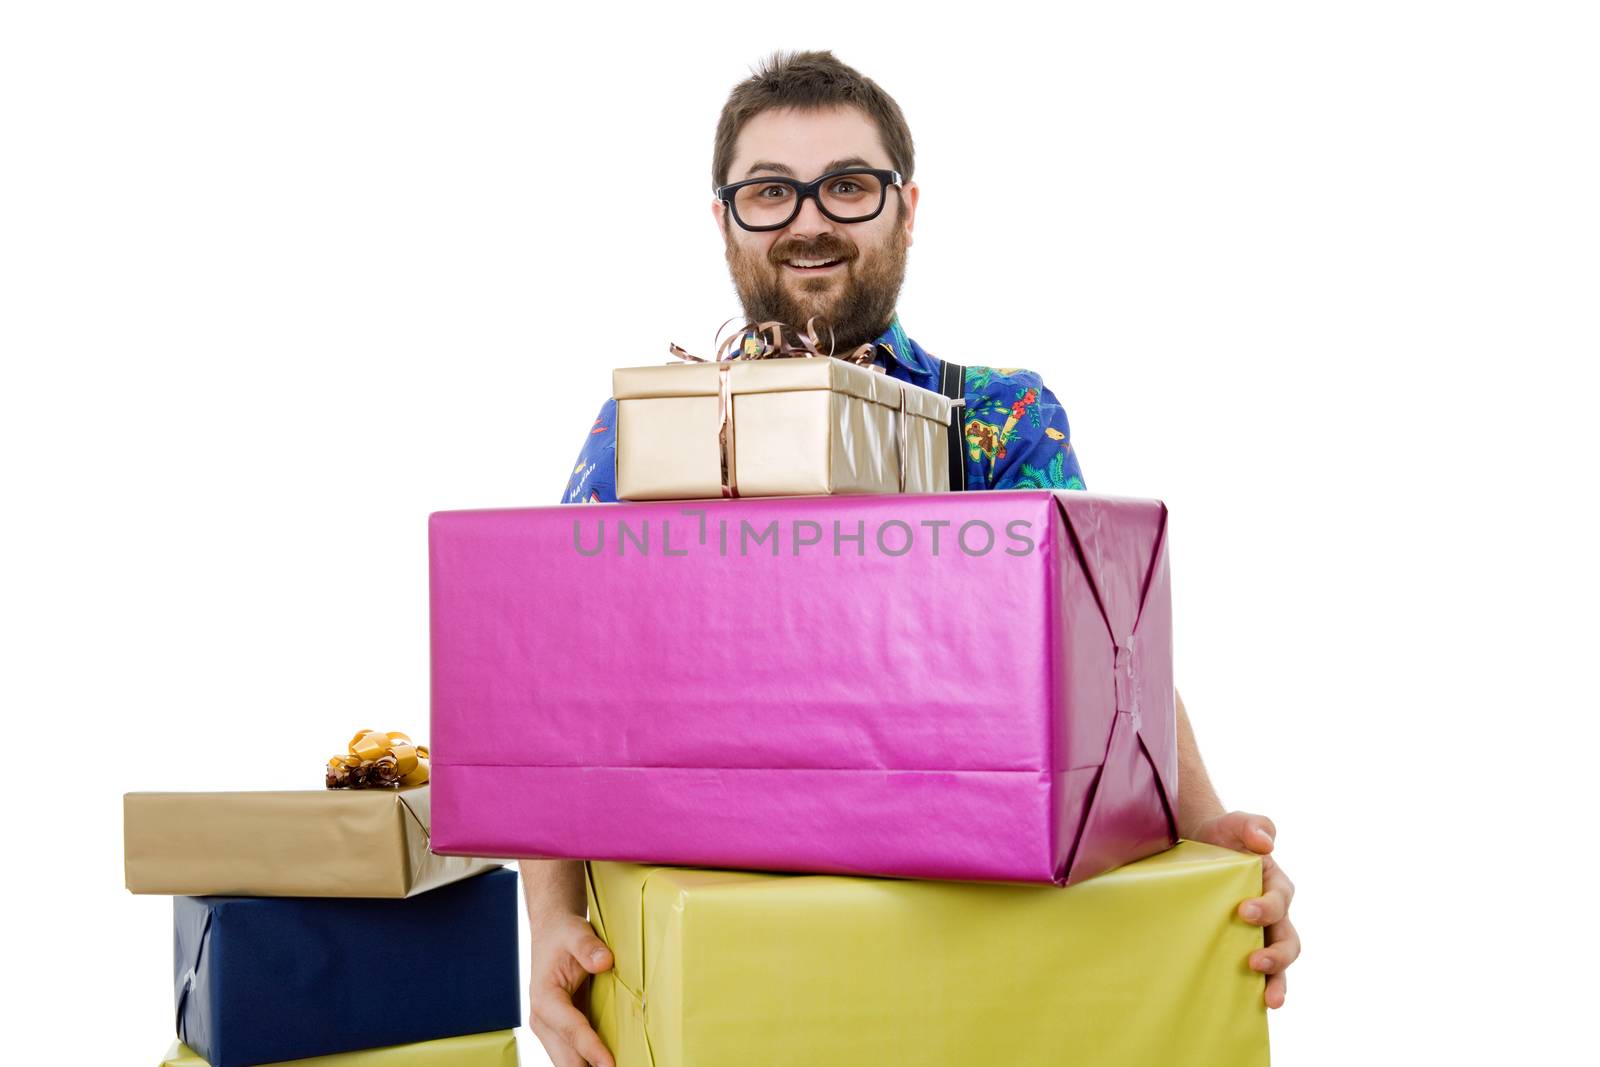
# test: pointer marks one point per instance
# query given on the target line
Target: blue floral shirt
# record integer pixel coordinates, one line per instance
(1015, 428)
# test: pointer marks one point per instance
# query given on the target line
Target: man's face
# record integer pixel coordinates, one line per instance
(856, 292)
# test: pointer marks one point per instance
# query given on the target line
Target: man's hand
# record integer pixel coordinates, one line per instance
(1244, 832)
(565, 953)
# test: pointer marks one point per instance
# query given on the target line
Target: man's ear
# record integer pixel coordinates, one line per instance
(911, 191)
(717, 210)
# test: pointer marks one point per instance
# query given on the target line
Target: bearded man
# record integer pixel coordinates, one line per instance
(813, 195)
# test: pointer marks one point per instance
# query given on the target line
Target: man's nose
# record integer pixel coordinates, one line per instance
(810, 221)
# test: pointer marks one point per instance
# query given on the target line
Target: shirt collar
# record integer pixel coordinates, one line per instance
(906, 351)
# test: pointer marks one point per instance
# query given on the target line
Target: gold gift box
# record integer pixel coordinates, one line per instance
(1142, 965)
(495, 1049)
(800, 427)
(304, 843)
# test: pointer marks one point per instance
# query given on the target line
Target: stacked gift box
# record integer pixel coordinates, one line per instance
(318, 927)
(862, 776)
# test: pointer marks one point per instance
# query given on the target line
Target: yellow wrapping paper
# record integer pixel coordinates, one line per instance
(801, 427)
(1139, 967)
(496, 1049)
(310, 843)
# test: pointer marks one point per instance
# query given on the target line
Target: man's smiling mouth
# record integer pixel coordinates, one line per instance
(813, 266)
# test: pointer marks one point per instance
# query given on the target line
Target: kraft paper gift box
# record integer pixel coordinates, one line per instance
(797, 426)
(264, 979)
(1145, 965)
(306, 843)
(497, 1049)
(658, 683)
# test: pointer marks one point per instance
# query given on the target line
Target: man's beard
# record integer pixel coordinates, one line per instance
(858, 310)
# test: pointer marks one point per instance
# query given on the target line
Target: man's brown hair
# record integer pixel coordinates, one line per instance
(809, 81)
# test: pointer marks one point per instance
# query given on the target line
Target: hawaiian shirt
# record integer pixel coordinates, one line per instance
(1015, 428)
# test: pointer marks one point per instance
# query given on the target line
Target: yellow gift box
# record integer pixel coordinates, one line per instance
(1144, 965)
(295, 843)
(495, 1049)
(794, 427)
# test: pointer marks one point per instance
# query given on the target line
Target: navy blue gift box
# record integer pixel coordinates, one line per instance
(264, 979)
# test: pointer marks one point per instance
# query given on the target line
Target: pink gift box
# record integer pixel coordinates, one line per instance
(972, 686)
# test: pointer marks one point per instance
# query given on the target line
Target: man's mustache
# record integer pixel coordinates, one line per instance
(822, 248)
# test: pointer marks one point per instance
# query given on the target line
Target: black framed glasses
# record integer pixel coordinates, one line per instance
(855, 194)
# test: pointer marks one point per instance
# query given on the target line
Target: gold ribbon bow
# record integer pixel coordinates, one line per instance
(379, 761)
(767, 340)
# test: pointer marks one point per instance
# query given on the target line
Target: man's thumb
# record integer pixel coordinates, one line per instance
(592, 953)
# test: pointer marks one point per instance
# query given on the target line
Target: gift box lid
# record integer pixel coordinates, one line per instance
(778, 376)
(308, 842)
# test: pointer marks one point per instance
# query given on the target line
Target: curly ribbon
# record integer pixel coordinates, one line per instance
(766, 340)
(379, 760)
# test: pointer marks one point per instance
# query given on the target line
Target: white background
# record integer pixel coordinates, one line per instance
(277, 280)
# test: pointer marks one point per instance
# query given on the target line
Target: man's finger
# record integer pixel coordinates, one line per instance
(1264, 910)
(1283, 940)
(1283, 948)
(560, 1054)
(1277, 989)
(1273, 880)
(1257, 832)
(571, 1026)
(1272, 906)
(1241, 831)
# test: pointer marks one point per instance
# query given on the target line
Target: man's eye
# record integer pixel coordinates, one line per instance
(773, 192)
(846, 186)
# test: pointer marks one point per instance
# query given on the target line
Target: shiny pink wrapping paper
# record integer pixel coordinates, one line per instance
(970, 686)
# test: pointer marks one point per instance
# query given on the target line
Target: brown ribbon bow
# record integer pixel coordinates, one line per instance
(767, 340)
(379, 761)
